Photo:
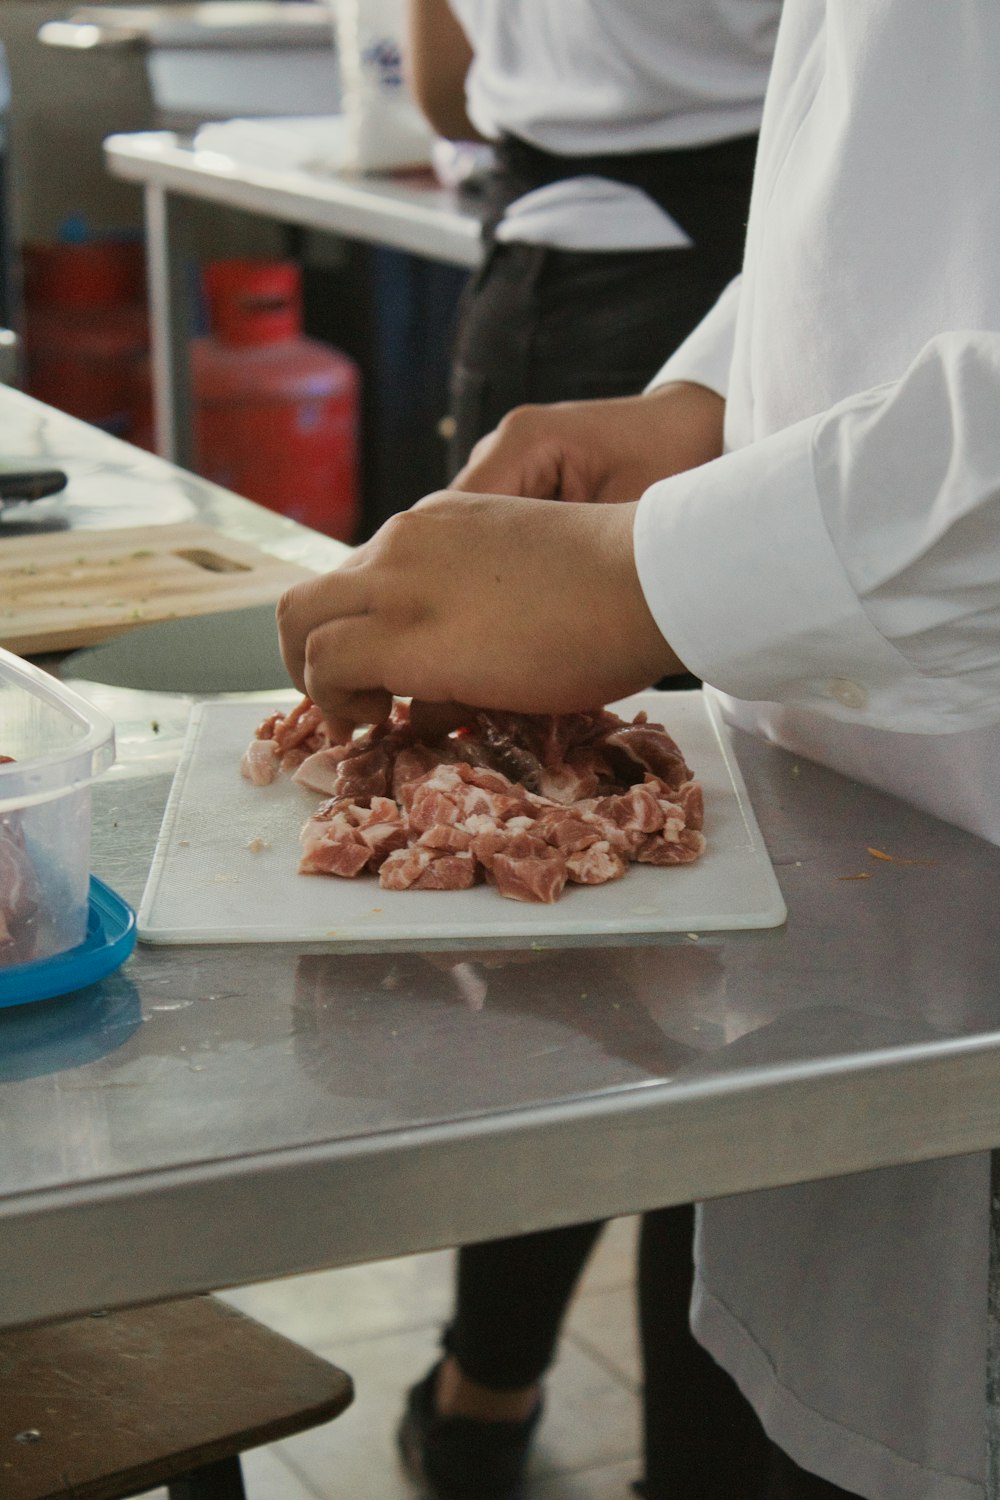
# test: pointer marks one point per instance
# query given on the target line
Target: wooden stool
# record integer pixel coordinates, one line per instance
(116, 1404)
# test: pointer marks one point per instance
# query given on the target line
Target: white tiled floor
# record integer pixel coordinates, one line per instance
(381, 1324)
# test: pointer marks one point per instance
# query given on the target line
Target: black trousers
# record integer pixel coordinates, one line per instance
(542, 325)
(702, 1439)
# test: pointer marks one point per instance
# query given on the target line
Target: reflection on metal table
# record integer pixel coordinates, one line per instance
(409, 214)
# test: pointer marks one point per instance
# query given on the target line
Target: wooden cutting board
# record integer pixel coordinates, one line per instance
(74, 588)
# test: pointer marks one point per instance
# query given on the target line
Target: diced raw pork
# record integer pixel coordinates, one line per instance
(578, 777)
(595, 865)
(529, 878)
(530, 801)
(447, 837)
(261, 762)
(334, 852)
(342, 838)
(657, 850)
(692, 801)
(319, 771)
(567, 832)
(423, 869)
(650, 748)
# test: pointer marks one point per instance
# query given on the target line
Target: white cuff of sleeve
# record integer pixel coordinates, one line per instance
(741, 576)
(706, 354)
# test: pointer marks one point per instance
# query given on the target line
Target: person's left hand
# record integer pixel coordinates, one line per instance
(489, 600)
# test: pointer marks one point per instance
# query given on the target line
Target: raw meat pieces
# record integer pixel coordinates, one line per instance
(283, 742)
(527, 802)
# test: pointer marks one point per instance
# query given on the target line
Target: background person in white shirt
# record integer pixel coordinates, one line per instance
(624, 134)
(831, 563)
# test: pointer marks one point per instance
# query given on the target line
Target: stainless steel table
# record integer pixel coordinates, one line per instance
(405, 214)
(216, 1115)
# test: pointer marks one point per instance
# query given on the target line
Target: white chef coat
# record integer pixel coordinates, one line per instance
(837, 574)
(612, 76)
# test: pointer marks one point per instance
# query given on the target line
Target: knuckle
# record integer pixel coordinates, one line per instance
(285, 607)
(390, 546)
(402, 531)
(423, 519)
(393, 529)
(434, 501)
(313, 655)
(518, 420)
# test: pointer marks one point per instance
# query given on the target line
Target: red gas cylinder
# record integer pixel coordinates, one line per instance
(276, 412)
(86, 333)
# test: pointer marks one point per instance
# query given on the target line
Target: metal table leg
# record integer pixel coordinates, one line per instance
(168, 266)
(993, 1338)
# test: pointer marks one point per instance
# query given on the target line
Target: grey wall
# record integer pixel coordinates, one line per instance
(63, 106)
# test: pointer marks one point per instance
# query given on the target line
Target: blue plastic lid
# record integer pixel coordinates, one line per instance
(110, 939)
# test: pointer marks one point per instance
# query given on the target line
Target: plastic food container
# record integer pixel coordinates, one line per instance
(58, 746)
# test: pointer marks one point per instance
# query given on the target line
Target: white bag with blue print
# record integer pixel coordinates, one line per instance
(384, 128)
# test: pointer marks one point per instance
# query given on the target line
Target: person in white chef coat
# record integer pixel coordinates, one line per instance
(624, 134)
(831, 566)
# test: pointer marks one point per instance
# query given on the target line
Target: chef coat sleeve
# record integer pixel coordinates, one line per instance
(851, 562)
(706, 354)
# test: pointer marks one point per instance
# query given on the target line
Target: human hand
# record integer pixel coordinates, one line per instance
(490, 600)
(597, 450)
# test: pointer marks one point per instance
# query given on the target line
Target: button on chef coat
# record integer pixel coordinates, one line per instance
(849, 694)
(837, 575)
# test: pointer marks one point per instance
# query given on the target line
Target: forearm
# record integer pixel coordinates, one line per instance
(438, 58)
(664, 431)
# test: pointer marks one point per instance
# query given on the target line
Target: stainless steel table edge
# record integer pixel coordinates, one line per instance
(460, 1182)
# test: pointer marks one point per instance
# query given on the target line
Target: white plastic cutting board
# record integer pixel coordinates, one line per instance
(211, 882)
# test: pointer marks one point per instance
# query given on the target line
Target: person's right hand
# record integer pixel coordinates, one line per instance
(491, 600)
(599, 451)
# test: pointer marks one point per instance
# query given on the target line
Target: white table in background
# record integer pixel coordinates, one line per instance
(411, 214)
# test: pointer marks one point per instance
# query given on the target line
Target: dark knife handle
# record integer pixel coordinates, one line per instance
(31, 484)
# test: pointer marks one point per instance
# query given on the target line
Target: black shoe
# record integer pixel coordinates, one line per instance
(458, 1458)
